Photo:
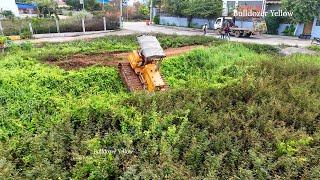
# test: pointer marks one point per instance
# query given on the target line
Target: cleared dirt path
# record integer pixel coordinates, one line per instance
(108, 58)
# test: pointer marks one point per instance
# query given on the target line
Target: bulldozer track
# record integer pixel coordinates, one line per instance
(166, 87)
(130, 78)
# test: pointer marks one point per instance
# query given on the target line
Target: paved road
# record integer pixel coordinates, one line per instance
(66, 37)
(264, 39)
(141, 27)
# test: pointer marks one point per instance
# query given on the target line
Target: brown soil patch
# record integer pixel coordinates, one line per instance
(108, 58)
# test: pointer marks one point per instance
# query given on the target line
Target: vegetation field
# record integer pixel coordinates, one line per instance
(233, 111)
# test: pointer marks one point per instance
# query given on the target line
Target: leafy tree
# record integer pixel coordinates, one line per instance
(273, 23)
(202, 8)
(193, 8)
(89, 5)
(143, 10)
(174, 7)
(8, 14)
(303, 10)
(45, 7)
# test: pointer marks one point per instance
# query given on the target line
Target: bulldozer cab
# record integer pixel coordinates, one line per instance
(151, 50)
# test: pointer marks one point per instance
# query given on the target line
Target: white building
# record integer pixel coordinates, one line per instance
(9, 5)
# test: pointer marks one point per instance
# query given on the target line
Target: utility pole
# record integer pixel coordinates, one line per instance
(121, 12)
(151, 9)
(264, 4)
(127, 13)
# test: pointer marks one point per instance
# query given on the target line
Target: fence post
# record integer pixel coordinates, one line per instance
(104, 24)
(1, 29)
(30, 28)
(57, 24)
(83, 26)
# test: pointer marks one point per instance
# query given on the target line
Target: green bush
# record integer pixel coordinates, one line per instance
(26, 46)
(273, 23)
(3, 40)
(26, 34)
(262, 48)
(156, 19)
(289, 31)
(314, 48)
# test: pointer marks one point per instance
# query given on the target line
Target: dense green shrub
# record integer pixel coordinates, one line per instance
(289, 31)
(173, 41)
(263, 48)
(273, 23)
(53, 52)
(3, 40)
(26, 34)
(230, 113)
(156, 19)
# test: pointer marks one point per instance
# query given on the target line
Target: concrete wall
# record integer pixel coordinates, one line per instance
(183, 22)
(281, 28)
(299, 29)
(316, 29)
(196, 22)
(173, 21)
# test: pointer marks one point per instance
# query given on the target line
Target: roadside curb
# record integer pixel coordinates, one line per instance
(69, 34)
(183, 28)
(178, 28)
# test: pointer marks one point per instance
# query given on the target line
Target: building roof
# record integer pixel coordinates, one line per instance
(26, 6)
(103, 1)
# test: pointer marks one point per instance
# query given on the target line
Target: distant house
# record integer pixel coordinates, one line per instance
(9, 5)
(62, 4)
(27, 10)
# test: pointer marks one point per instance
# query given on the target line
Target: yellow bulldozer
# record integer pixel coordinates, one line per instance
(142, 71)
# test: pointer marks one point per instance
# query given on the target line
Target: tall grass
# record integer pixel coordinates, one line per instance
(57, 51)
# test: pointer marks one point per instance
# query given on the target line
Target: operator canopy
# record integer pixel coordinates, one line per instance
(150, 47)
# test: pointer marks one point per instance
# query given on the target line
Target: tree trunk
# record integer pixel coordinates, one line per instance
(190, 21)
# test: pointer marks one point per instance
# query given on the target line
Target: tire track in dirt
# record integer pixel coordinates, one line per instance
(111, 59)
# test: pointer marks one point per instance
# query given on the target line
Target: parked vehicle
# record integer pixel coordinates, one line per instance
(258, 26)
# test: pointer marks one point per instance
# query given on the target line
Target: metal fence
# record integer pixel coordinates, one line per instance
(45, 26)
